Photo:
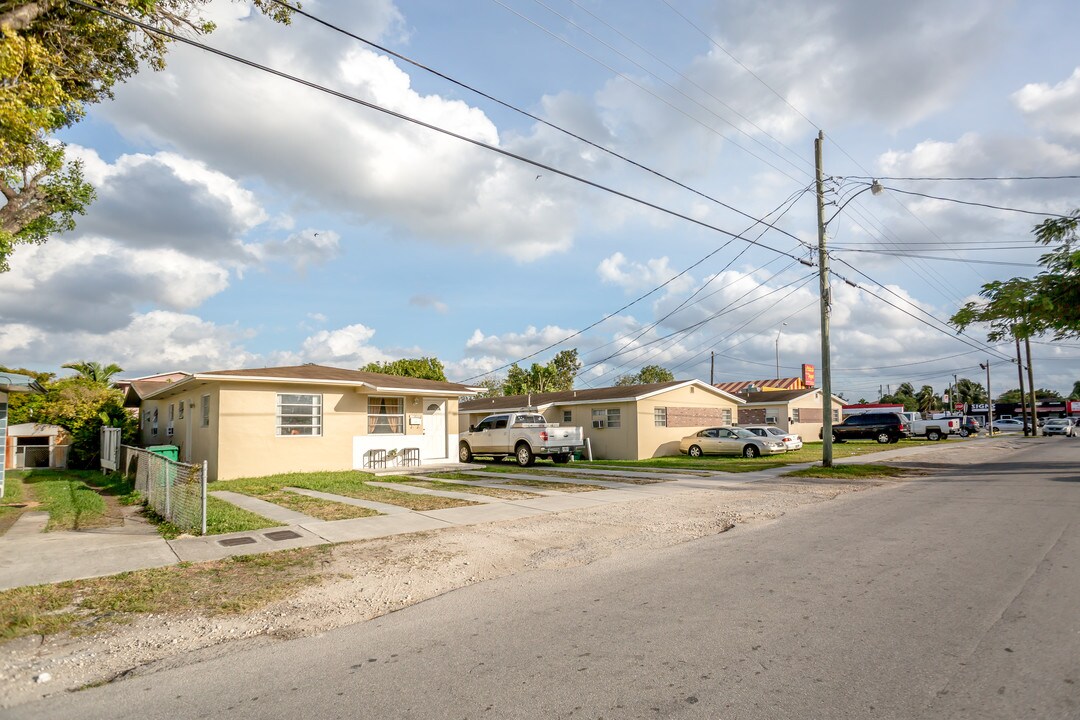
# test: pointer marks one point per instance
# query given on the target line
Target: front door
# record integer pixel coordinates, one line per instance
(434, 428)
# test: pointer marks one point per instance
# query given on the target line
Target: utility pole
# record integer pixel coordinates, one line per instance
(1020, 374)
(956, 394)
(712, 368)
(989, 400)
(1031, 389)
(826, 301)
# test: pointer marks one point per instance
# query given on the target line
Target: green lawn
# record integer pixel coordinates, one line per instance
(810, 452)
(851, 472)
(350, 483)
(74, 499)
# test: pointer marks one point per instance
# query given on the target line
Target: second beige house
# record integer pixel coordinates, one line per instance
(628, 422)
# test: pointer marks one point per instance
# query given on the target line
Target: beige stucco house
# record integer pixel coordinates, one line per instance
(796, 411)
(630, 422)
(304, 418)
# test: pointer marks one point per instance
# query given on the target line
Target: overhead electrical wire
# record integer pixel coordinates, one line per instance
(902, 254)
(525, 113)
(997, 177)
(646, 90)
(976, 204)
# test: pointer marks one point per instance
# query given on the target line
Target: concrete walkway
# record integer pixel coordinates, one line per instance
(261, 507)
(384, 508)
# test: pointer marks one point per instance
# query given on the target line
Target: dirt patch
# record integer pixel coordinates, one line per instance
(363, 580)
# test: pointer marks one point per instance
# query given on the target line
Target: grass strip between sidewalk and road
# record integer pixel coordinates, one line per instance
(454, 487)
(852, 472)
(230, 586)
(539, 482)
(74, 499)
(350, 483)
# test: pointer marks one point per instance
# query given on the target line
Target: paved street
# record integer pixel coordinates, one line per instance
(945, 597)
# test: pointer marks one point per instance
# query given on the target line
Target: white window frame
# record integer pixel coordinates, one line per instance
(172, 412)
(614, 418)
(205, 402)
(154, 422)
(836, 416)
(795, 415)
(372, 428)
(180, 410)
(567, 416)
(599, 418)
(659, 415)
(725, 416)
(315, 402)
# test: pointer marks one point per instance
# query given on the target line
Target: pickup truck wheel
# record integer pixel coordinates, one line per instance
(464, 452)
(933, 434)
(524, 455)
(694, 451)
(561, 458)
(964, 432)
(750, 451)
(883, 438)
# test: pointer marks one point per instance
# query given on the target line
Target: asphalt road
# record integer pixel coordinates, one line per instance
(952, 597)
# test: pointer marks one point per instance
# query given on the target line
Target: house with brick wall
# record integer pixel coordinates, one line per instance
(794, 411)
(628, 422)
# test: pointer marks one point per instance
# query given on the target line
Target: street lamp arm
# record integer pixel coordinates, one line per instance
(874, 187)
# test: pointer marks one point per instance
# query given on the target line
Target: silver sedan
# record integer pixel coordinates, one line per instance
(729, 441)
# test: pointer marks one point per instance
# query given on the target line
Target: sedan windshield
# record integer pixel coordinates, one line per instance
(743, 433)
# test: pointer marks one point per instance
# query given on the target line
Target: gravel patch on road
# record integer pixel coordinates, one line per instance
(367, 579)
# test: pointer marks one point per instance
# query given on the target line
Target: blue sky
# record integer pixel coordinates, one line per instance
(243, 220)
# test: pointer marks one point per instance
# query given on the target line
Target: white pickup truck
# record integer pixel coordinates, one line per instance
(524, 435)
(938, 429)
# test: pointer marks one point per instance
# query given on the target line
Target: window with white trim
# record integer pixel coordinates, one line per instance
(206, 411)
(567, 416)
(153, 422)
(614, 418)
(725, 416)
(299, 414)
(795, 415)
(180, 409)
(386, 415)
(172, 412)
(836, 416)
(772, 416)
(659, 416)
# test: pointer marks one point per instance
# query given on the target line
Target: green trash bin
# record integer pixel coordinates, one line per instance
(171, 452)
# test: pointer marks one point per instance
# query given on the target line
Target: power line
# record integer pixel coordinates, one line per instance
(998, 177)
(903, 254)
(977, 204)
(646, 90)
(509, 106)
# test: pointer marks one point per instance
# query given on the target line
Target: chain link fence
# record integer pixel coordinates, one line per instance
(176, 491)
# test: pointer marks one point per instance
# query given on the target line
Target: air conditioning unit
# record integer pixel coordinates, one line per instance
(598, 423)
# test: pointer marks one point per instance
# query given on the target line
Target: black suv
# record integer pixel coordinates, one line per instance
(885, 427)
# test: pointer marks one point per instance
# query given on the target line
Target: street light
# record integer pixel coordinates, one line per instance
(780, 330)
(989, 402)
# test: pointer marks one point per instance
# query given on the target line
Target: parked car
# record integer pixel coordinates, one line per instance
(1008, 425)
(525, 436)
(970, 426)
(885, 427)
(1060, 426)
(791, 440)
(933, 429)
(729, 441)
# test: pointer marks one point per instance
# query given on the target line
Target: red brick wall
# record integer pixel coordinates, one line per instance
(694, 416)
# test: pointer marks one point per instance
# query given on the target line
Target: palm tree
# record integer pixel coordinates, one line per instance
(926, 399)
(969, 391)
(95, 372)
(906, 389)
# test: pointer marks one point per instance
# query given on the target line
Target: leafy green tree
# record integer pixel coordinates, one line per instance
(646, 376)
(493, 386)
(81, 406)
(908, 401)
(555, 376)
(1013, 396)
(55, 59)
(94, 372)
(427, 368)
(1075, 394)
(1046, 303)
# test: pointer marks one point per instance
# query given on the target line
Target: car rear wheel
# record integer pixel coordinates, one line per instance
(524, 455)
(933, 434)
(835, 439)
(750, 451)
(964, 432)
(694, 451)
(883, 438)
(464, 452)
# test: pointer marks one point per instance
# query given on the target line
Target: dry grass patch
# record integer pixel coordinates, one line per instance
(234, 585)
(316, 507)
(554, 485)
(475, 489)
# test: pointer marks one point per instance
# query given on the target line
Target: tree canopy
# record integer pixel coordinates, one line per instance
(1046, 303)
(1013, 395)
(94, 372)
(55, 59)
(646, 376)
(427, 368)
(556, 375)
